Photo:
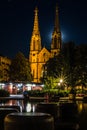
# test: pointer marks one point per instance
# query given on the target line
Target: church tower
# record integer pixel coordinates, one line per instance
(38, 56)
(56, 36)
(35, 47)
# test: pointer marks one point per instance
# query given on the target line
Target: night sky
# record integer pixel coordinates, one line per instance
(16, 23)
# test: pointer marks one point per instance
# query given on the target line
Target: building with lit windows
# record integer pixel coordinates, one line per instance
(38, 55)
(4, 68)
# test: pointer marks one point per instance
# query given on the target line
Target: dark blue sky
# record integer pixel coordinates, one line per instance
(16, 23)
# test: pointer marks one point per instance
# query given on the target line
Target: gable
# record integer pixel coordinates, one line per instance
(44, 55)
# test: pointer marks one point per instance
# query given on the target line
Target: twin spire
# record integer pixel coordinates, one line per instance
(36, 23)
(38, 56)
(57, 26)
(56, 35)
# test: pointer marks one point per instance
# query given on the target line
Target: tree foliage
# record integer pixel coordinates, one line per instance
(20, 69)
(81, 64)
(70, 64)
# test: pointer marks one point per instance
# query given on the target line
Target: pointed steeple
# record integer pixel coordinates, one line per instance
(56, 36)
(35, 48)
(36, 25)
(35, 44)
(57, 26)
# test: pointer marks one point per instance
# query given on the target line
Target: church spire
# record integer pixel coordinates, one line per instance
(35, 44)
(56, 36)
(35, 48)
(57, 26)
(36, 25)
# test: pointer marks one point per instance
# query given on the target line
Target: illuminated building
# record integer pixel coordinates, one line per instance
(4, 68)
(38, 55)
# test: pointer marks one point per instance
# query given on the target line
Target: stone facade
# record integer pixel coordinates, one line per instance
(38, 55)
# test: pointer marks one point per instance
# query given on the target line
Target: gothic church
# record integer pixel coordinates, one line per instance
(38, 56)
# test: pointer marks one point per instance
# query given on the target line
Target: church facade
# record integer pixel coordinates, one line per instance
(38, 55)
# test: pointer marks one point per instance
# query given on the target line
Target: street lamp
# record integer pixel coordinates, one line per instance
(60, 84)
(61, 80)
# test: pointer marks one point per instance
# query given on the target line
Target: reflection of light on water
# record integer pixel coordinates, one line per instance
(80, 107)
(85, 106)
(21, 108)
(28, 107)
(33, 108)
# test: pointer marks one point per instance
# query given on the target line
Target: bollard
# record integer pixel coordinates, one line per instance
(50, 108)
(3, 113)
(29, 121)
(68, 118)
(68, 111)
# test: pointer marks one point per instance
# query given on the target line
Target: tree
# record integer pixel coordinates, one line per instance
(62, 66)
(69, 51)
(70, 65)
(20, 69)
(81, 64)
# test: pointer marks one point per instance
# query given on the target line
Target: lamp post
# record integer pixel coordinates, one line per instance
(61, 80)
(60, 84)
